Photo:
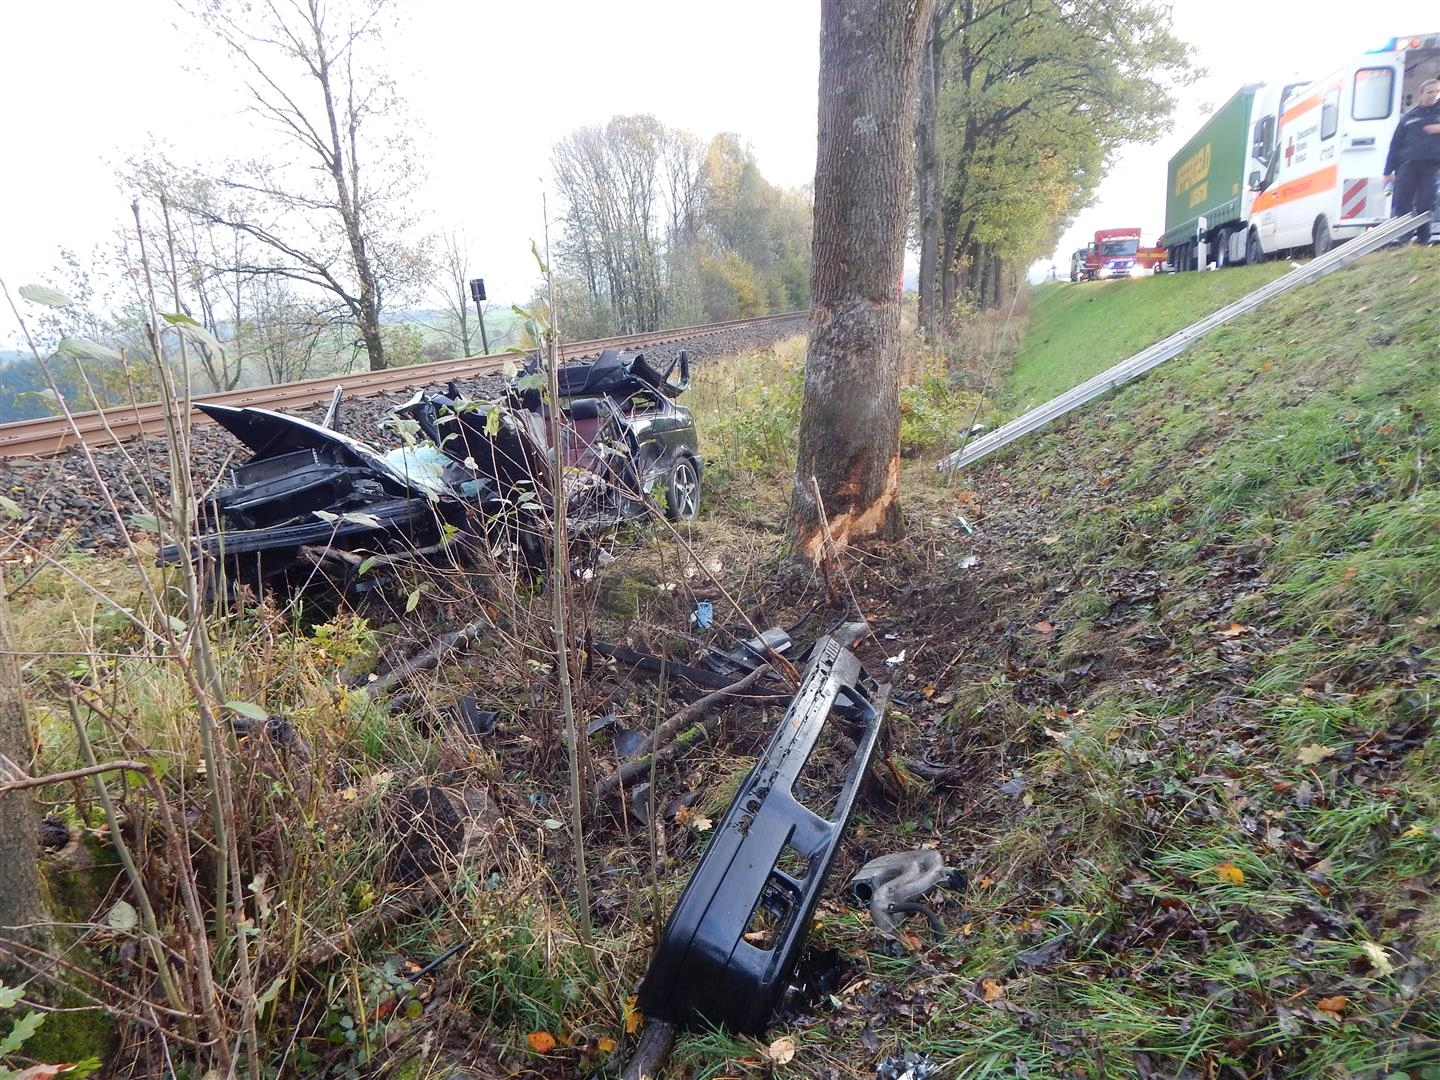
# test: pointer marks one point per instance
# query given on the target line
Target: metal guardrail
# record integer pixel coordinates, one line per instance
(1172, 346)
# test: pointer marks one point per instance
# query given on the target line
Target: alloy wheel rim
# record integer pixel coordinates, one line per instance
(684, 491)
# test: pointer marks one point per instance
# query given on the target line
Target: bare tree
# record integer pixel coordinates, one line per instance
(849, 447)
(333, 217)
(289, 338)
(195, 261)
(453, 276)
(610, 179)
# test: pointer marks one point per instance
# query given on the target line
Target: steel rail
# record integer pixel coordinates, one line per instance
(1157, 354)
(52, 434)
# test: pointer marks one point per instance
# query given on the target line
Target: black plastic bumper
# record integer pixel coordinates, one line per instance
(736, 934)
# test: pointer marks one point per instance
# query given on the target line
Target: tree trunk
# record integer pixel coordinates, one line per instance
(850, 413)
(22, 916)
(927, 172)
(947, 266)
(348, 196)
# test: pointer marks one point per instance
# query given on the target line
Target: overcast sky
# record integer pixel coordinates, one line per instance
(495, 85)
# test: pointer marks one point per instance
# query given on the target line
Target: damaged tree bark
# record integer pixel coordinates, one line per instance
(850, 417)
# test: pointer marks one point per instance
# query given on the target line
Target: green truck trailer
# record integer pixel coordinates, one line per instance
(1208, 178)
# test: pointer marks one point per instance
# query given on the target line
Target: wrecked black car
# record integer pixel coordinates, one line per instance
(472, 475)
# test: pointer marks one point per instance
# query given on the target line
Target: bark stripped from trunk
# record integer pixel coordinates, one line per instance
(850, 418)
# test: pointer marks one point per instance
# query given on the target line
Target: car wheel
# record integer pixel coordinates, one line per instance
(1321, 235)
(1254, 253)
(1222, 249)
(682, 490)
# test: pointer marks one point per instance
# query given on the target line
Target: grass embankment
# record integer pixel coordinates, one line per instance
(1199, 725)
(1176, 722)
(1079, 330)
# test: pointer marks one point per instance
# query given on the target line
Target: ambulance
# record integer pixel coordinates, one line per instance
(1325, 182)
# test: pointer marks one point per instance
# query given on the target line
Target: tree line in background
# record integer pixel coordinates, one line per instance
(1021, 105)
(662, 229)
(299, 259)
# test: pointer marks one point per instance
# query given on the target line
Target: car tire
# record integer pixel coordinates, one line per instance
(682, 490)
(1323, 240)
(1254, 253)
(1222, 249)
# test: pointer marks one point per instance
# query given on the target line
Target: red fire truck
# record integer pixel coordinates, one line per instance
(1115, 253)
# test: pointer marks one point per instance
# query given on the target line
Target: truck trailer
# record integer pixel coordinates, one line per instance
(1211, 182)
(1293, 164)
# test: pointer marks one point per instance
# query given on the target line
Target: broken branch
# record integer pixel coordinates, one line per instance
(428, 658)
(21, 781)
(668, 746)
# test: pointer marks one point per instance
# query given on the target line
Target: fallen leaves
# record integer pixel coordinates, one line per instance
(1229, 873)
(781, 1051)
(1313, 754)
(1378, 957)
(633, 1016)
(992, 990)
(688, 817)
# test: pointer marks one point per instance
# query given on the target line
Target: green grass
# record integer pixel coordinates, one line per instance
(1234, 806)
(1231, 813)
(1080, 330)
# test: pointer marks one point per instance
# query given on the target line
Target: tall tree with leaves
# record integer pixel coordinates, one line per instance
(661, 229)
(847, 473)
(610, 180)
(1031, 100)
(332, 212)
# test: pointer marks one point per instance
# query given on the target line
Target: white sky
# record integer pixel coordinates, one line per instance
(496, 84)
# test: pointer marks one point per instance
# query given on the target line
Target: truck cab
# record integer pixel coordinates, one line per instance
(1114, 254)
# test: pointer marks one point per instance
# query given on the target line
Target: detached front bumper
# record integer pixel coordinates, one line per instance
(733, 941)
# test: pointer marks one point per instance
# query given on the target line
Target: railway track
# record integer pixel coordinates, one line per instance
(40, 438)
(54, 489)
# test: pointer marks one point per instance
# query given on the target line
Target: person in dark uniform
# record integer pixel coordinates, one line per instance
(1414, 158)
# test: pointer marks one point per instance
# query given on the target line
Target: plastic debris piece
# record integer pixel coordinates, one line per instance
(473, 720)
(906, 1066)
(735, 936)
